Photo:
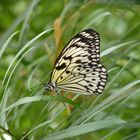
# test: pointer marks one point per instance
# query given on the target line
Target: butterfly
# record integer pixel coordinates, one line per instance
(78, 69)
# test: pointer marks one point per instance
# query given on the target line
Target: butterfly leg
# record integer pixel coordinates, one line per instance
(61, 95)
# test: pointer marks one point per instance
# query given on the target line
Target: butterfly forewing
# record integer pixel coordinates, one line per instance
(78, 67)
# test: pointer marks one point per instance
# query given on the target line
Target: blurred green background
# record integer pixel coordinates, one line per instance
(32, 34)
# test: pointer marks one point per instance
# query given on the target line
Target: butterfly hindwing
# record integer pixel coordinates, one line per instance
(78, 67)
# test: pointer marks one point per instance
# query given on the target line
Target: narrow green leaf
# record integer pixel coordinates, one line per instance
(85, 128)
(5, 45)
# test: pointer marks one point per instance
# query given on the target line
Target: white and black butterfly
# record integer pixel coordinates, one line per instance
(78, 68)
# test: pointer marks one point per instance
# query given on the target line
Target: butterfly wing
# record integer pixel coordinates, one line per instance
(78, 67)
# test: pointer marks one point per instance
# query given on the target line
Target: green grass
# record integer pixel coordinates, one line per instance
(32, 34)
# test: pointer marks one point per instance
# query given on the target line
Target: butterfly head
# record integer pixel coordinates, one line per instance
(50, 86)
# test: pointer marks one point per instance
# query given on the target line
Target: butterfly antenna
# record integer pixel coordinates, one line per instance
(33, 87)
(42, 83)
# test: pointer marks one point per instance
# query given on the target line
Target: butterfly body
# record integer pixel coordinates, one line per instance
(78, 68)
